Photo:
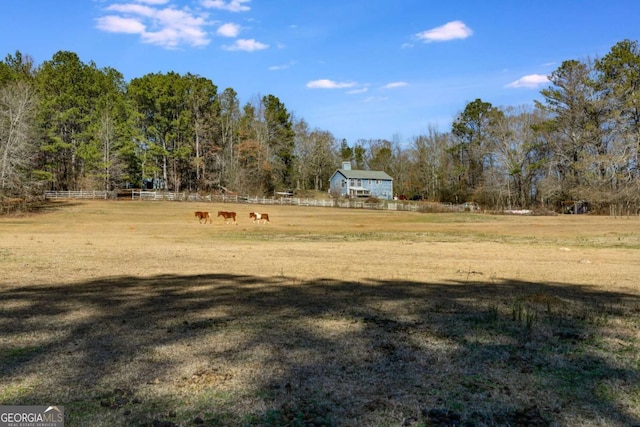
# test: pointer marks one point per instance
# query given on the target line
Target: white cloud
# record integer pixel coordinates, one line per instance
(530, 81)
(374, 99)
(163, 26)
(394, 85)
(329, 84)
(117, 24)
(282, 67)
(357, 91)
(247, 45)
(133, 9)
(231, 6)
(228, 30)
(449, 31)
(154, 2)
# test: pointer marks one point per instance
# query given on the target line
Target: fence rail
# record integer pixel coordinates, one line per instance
(76, 194)
(223, 198)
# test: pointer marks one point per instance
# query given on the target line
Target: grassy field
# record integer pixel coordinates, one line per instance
(134, 313)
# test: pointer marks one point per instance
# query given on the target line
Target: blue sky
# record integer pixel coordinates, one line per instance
(360, 69)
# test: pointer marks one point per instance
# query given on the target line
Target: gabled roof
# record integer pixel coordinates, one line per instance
(361, 174)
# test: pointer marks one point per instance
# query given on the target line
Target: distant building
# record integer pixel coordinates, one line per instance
(361, 183)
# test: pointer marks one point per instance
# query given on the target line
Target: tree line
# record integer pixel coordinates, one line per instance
(69, 125)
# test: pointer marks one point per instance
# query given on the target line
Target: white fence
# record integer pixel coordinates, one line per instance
(76, 194)
(185, 197)
(221, 198)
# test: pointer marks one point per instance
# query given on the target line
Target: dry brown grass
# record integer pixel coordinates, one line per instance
(130, 313)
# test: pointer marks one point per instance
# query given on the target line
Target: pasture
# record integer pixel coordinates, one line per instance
(136, 313)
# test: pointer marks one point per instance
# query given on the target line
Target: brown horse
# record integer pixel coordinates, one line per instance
(203, 215)
(227, 216)
(255, 216)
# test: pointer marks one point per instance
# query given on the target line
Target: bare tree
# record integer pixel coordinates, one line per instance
(429, 157)
(519, 156)
(17, 105)
(400, 166)
(303, 153)
(316, 156)
(323, 158)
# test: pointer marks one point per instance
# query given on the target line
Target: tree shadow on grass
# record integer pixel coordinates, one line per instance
(20, 207)
(245, 350)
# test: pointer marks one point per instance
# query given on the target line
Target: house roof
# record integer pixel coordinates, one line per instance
(362, 174)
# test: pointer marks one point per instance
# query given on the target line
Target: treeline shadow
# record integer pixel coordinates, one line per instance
(18, 207)
(245, 350)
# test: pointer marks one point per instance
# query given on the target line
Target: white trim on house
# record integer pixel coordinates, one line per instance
(359, 192)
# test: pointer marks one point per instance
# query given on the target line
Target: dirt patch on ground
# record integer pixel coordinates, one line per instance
(133, 313)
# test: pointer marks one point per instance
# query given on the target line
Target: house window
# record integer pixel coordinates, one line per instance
(353, 182)
(344, 183)
(359, 183)
(377, 181)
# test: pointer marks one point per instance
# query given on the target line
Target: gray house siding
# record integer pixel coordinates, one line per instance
(360, 183)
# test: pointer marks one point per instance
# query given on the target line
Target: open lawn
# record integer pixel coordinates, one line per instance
(133, 313)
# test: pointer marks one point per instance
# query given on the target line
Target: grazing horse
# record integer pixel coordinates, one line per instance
(255, 216)
(228, 215)
(203, 215)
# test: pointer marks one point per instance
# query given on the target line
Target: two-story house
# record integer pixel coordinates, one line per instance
(361, 183)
